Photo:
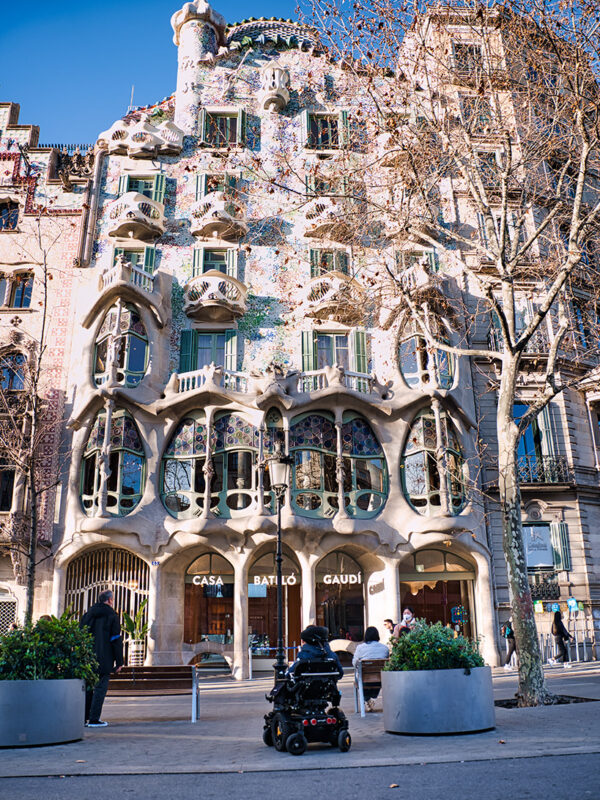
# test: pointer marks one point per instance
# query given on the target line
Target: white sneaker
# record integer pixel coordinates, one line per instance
(567, 665)
(552, 661)
(507, 667)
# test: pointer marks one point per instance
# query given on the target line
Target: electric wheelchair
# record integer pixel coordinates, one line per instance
(300, 710)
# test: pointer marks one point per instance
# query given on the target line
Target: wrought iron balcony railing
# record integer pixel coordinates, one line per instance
(544, 469)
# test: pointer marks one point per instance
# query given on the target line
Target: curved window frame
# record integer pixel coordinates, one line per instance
(430, 479)
(353, 490)
(194, 490)
(414, 347)
(21, 289)
(121, 458)
(12, 371)
(125, 375)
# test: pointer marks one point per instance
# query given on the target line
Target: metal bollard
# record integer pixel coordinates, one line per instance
(250, 663)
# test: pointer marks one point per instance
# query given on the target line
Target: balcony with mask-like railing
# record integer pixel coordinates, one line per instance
(214, 297)
(328, 218)
(135, 216)
(332, 295)
(218, 214)
(538, 345)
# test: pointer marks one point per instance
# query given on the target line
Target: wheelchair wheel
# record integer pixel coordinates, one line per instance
(280, 730)
(296, 744)
(268, 736)
(344, 741)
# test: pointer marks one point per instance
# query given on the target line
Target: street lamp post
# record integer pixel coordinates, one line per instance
(279, 472)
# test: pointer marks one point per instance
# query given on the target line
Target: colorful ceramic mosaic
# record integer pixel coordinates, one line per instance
(313, 431)
(232, 431)
(124, 433)
(358, 439)
(189, 439)
(96, 437)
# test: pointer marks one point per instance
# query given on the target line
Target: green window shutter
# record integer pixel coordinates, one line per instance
(544, 421)
(360, 352)
(305, 127)
(310, 183)
(158, 190)
(241, 127)
(559, 534)
(314, 263)
(119, 251)
(188, 351)
(230, 181)
(341, 261)
(232, 263)
(344, 134)
(123, 184)
(200, 186)
(149, 256)
(202, 126)
(309, 351)
(231, 350)
(197, 258)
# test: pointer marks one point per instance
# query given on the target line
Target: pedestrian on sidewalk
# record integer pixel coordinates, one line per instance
(561, 635)
(103, 623)
(370, 648)
(392, 627)
(508, 633)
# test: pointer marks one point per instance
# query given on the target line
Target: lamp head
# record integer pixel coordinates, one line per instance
(279, 469)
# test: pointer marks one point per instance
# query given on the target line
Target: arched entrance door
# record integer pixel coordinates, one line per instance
(340, 596)
(262, 605)
(438, 586)
(209, 587)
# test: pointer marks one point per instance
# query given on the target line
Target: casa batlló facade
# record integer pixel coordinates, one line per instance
(213, 318)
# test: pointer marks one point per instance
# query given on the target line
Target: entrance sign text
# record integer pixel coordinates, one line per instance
(343, 579)
(208, 580)
(271, 580)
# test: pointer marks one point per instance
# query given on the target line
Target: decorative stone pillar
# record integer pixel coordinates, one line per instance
(105, 471)
(153, 613)
(484, 610)
(240, 668)
(198, 32)
(58, 591)
(383, 595)
(309, 589)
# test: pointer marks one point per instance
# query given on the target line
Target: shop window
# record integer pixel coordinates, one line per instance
(122, 343)
(324, 131)
(420, 468)
(126, 464)
(222, 129)
(9, 215)
(151, 186)
(340, 596)
(209, 591)
(20, 293)
(324, 261)
(423, 366)
(315, 487)
(262, 605)
(12, 372)
(7, 484)
(488, 168)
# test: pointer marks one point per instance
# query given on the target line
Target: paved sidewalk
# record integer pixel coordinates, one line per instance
(152, 735)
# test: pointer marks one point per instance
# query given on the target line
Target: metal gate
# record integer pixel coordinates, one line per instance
(8, 614)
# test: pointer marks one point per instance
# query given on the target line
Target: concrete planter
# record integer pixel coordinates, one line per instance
(438, 701)
(41, 712)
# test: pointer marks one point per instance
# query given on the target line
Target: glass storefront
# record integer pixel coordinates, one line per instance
(209, 584)
(262, 605)
(340, 596)
(438, 586)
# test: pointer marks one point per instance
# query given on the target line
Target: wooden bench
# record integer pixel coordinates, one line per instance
(158, 681)
(367, 675)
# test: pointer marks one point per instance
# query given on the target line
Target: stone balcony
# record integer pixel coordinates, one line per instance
(332, 295)
(142, 139)
(327, 218)
(124, 273)
(214, 297)
(218, 215)
(389, 146)
(418, 278)
(135, 216)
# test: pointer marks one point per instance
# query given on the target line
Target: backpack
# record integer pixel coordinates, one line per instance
(506, 631)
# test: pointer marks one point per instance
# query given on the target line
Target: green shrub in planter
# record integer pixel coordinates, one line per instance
(432, 647)
(52, 648)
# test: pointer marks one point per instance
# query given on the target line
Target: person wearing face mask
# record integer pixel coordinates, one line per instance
(408, 621)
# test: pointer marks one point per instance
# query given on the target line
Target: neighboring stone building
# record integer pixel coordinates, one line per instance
(42, 192)
(222, 313)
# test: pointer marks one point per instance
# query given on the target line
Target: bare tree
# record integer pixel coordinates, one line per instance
(473, 143)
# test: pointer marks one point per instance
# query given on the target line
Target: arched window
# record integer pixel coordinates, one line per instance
(365, 470)
(420, 468)
(235, 448)
(313, 449)
(122, 336)
(183, 480)
(20, 292)
(420, 367)
(126, 464)
(12, 372)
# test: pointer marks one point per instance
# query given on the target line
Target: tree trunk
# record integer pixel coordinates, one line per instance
(532, 689)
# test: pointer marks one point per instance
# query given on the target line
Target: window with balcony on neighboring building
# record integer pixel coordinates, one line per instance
(20, 291)
(324, 261)
(222, 129)
(547, 552)
(476, 113)
(537, 458)
(9, 215)
(468, 58)
(122, 337)
(126, 465)
(489, 167)
(7, 484)
(421, 471)
(325, 131)
(12, 372)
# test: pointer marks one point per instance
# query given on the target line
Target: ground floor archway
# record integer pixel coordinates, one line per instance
(340, 600)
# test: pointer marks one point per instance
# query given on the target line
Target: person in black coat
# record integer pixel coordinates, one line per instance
(104, 625)
(561, 635)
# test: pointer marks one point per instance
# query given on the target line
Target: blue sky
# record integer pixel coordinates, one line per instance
(72, 63)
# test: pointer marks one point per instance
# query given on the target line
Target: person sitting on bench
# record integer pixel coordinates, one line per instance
(370, 648)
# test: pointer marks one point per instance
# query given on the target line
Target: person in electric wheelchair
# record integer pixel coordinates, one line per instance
(300, 702)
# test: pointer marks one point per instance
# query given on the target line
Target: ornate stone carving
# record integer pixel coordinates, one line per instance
(199, 11)
(144, 138)
(274, 92)
(74, 165)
